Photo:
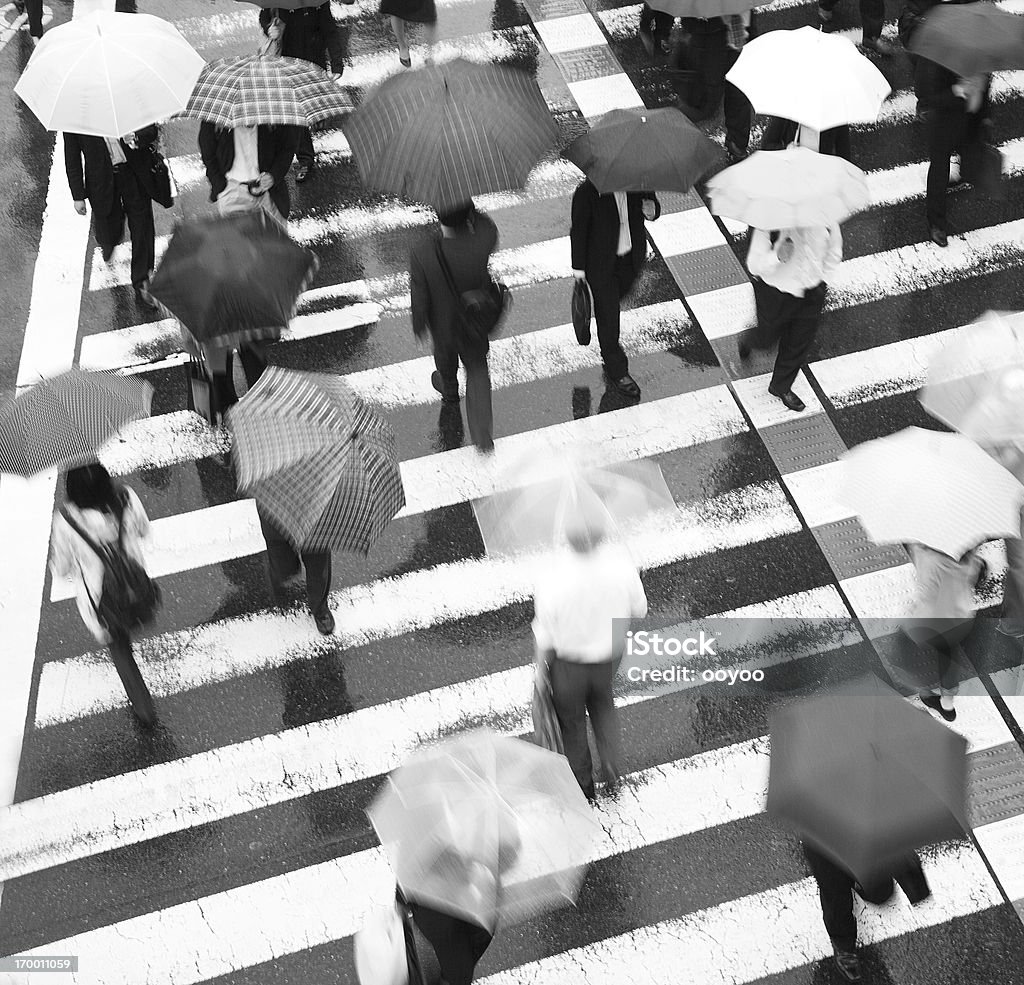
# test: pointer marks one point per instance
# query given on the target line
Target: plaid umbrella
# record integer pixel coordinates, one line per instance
(252, 89)
(970, 38)
(643, 150)
(445, 133)
(320, 462)
(62, 421)
(233, 279)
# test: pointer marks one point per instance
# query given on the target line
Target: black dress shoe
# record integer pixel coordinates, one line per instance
(628, 386)
(934, 702)
(879, 46)
(302, 172)
(849, 965)
(791, 400)
(485, 447)
(743, 348)
(735, 152)
(938, 236)
(143, 297)
(325, 622)
(447, 396)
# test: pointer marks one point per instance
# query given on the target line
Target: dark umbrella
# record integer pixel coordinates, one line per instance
(284, 4)
(317, 459)
(61, 422)
(864, 777)
(656, 150)
(232, 280)
(970, 38)
(445, 133)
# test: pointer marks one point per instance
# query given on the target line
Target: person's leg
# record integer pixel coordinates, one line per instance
(796, 339)
(282, 558)
(318, 582)
(138, 208)
(134, 686)
(835, 890)
(398, 26)
(253, 358)
(479, 412)
(1012, 621)
(940, 146)
(910, 875)
(305, 156)
(445, 378)
(872, 17)
(34, 9)
(605, 295)
(455, 942)
(739, 113)
(604, 718)
(568, 693)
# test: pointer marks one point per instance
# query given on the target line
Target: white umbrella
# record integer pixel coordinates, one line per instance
(109, 74)
(817, 79)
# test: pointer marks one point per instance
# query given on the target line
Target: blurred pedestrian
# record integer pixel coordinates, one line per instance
(218, 364)
(956, 113)
(99, 516)
(34, 9)
(711, 50)
(468, 238)
(780, 133)
(415, 11)
(609, 246)
(1011, 623)
(116, 177)
(283, 562)
(872, 17)
(583, 604)
(836, 887)
(655, 30)
(246, 167)
(312, 34)
(791, 269)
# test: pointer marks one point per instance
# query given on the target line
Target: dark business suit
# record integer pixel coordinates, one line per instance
(116, 193)
(594, 239)
(275, 146)
(434, 310)
(872, 15)
(780, 133)
(283, 561)
(310, 34)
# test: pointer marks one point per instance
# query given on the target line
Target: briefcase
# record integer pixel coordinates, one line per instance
(201, 395)
(581, 311)
(982, 165)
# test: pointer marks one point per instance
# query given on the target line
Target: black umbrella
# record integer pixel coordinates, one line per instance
(232, 280)
(970, 38)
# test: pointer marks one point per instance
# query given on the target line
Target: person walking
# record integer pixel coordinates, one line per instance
(399, 13)
(100, 515)
(583, 604)
(779, 133)
(609, 246)
(836, 887)
(468, 238)
(1011, 622)
(872, 17)
(310, 33)
(116, 178)
(34, 10)
(246, 167)
(791, 268)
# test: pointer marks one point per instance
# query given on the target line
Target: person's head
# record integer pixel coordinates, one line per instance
(89, 487)
(456, 218)
(585, 531)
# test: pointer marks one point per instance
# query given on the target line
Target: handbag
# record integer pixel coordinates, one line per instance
(481, 309)
(582, 311)
(162, 184)
(201, 395)
(547, 733)
(380, 948)
(982, 165)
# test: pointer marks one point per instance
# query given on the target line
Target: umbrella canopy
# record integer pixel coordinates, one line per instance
(445, 133)
(820, 80)
(252, 89)
(284, 4)
(545, 492)
(706, 8)
(109, 74)
(976, 383)
(789, 188)
(865, 777)
(62, 421)
(233, 279)
(970, 38)
(485, 826)
(319, 461)
(643, 150)
(931, 488)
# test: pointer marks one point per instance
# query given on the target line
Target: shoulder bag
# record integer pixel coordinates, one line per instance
(481, 309)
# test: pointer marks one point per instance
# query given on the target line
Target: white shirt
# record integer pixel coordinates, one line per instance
(577, 598)
(945, 587)
(817, 253)
(246, 165)
(116, 153)
(625, 242)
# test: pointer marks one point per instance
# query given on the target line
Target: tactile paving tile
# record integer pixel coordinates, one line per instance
(724, 314)
(545, 10)
(1003, 844)
(803, 443)
(587, 63)
(679, 202)
(766, 410)
(849, 551)
(567, 33)
(685, 232)
(706, 270)
(882, 599)
(996, 783)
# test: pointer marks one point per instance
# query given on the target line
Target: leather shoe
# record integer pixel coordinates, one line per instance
(627, 386)
(302, 172)
(791, 400)
(145, 298)
(743, 349)
(447, 396)
(325, 622)
(938, 236)
(879, 46)
(934, 702)
(849, 965)
(736, 153)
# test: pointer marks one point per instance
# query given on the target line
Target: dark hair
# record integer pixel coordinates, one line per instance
(90, 487)
(456, 218)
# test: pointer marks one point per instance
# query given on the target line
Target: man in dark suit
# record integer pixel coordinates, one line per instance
(609, 245)
(872, 17)
(779, 133)
(312, 35)
(117, 181)
(246, 167)
(468, 238)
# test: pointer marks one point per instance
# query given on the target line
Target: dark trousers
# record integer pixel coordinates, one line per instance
(252, 356)
(128, 670)
(947, 134)
(836, 888)
(305, 153)
(34, 9)
(872, 15)
(131, 201)
(458, 945)
(790, 321)
(478, 386)
(709, 89)
(284, 562)
(578, 690)
(607, 293)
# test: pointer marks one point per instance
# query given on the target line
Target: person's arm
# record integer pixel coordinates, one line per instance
(582, 214)
(332, 37)
(932, 93)
(136, 522)
(208, 142)
(419, 294)
(544, 645)
(287, 143)
(266, 17)
(833, 254)
(74, 168)
(62, 555)
(637, 595)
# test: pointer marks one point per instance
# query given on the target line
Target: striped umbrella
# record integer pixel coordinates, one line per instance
(253, 89)
(62, 421)
(317, 459)
(445, 133)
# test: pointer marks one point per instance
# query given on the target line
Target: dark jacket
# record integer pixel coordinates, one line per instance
(310, 34)
(433, 304)
(933, 85)
(594, 235)
(95, 181)
(276, 148)
(780, 133)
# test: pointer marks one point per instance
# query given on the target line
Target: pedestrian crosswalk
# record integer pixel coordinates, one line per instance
(232, 845)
